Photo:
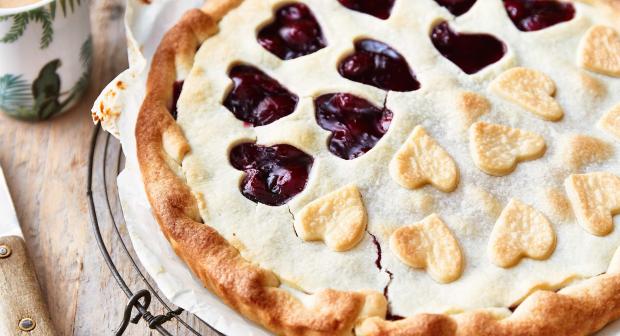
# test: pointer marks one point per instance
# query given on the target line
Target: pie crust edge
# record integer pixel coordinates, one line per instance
(575, 310)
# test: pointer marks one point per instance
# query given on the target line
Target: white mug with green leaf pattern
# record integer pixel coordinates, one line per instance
(45, 56)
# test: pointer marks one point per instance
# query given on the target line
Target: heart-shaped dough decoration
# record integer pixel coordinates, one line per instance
(530, 89)
(496, 149)
(595, 199)
(338, 219)
(611, 121)
(599, 51)
(421, 160)
(430, 245)
(521, 231)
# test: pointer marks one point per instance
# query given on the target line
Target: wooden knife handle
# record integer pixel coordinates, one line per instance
(21, 304)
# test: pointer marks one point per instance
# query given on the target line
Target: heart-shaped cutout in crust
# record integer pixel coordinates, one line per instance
(355, 123)
(378, 8)
(421, 160)
(611, 121)
(430, 245)
(534, 15)
(338, 219)
(530, 89)
(600, 51)
(470, 52)
(376, 63)
(293, 33)
(273, 174)
(496, 149)
(257, 98)
(595, 199)
(521, 231)
(456, 7)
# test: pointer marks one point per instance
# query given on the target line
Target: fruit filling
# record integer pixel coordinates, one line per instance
(294, 33)
(470, 52)
(377, 64)
(533, 15)
(456, 7)
(274, 174)
(355, 123)
(377, 8)
(177, 87)
(257, 98)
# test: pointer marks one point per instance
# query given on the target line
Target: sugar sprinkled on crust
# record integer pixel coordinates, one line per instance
(338, 218)
(600, 51)
(521, 231)
(429, 244)
(421, 160)
(533, 90)
(578, 302)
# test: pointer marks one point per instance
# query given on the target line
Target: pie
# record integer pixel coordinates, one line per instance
(393, 167)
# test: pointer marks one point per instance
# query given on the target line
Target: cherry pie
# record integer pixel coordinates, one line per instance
(393, 167)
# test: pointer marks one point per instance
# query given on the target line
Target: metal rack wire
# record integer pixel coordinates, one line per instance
(105, 162)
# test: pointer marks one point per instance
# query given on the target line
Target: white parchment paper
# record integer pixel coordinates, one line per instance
(146, 25)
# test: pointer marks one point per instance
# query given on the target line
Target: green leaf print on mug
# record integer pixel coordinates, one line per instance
(21, 21)
(15, 95)
(64, 5)
(43, 98)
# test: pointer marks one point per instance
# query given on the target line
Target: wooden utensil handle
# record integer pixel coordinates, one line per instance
(21, 304)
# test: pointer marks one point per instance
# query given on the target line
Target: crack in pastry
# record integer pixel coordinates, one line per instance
(595, 200)
(600, 51)
(530, 89)
(430, 245)
(421, 160)
(339, 219)
(521, 231)
(496, 149)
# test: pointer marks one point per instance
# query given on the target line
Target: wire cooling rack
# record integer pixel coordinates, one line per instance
(105, 163)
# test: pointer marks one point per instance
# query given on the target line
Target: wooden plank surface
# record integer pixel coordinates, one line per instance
(46, 168)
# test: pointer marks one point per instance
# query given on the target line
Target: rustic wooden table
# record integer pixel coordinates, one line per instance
(46, 167)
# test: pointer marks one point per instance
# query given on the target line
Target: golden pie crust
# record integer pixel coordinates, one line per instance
(254, 292)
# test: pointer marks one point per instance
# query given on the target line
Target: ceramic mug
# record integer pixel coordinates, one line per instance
(45, 57)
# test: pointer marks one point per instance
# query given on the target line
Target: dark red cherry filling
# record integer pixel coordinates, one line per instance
(533, 15)
(355, 123)
(392, 317)
(177, 87)
(377, 8)
(274, 174)
(456, 7)
(294, 33)
(470, 52)
(377, 64)
(257, 98)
